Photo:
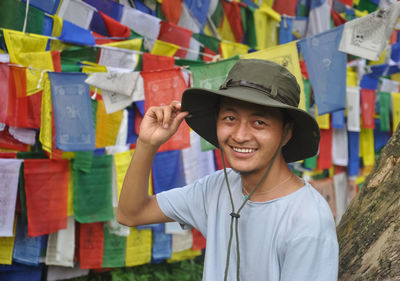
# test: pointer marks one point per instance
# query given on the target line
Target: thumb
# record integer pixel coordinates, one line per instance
(178, 119)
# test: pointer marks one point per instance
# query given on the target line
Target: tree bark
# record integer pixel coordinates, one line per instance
(368, 233)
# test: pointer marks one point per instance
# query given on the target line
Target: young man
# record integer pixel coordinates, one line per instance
(260, 220)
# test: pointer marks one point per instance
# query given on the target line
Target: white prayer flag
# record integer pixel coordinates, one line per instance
(340, 154)
(181, 242)
(77, 12)
(340, 184)
(353, 109)
(117, 58)
(366, 37)
(9, 173)
(24, 135)
(55, 273)
(142, 23)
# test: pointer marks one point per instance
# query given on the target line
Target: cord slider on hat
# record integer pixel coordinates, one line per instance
(235, 215)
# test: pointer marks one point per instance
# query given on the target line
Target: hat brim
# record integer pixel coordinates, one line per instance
(202, 105)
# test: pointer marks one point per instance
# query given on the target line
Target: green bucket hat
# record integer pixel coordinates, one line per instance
(261, 82)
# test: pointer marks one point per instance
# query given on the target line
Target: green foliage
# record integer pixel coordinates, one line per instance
(187, 270)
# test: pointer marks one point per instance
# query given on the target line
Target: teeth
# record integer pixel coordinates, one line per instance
(243, 150)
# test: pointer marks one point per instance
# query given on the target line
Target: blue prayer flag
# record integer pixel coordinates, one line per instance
(369, 81)
(140, 106)
(199, 9)
(97, 24)
(168, 171)
(162, 245)
(140, 6)
(48, 6)
(380, 137)
(286, 30)
(26, 249)
(72, 111)
(354, 147)
(72, 33)
(327, 69)
(132, 136)
(395, 54)
(110, 8)
(338, 120)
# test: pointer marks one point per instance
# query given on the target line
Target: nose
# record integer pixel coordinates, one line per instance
(240, 133)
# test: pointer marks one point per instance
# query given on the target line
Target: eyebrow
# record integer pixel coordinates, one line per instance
(264, 114)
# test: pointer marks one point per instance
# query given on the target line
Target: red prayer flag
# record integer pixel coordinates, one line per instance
(46, 187)
(347, 2)
(172, 10)
(177, 35)
(4, 90)
(285, 7)
(199, 242)
(56, 57)
(100, 39)
(161, 88)
(368, 108)
(115, 28)
(337, 18)
(155, 62)
(91, 239)
(234, 16)
(218, 160)
(325, 149)
(209, 52)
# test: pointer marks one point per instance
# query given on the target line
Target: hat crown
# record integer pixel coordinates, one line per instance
(266, 76)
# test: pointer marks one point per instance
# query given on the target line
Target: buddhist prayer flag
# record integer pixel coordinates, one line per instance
(138, 247)
(164, 48)
(161, 248)
(76, 12)
(93, 191)
(177, 35)
(46, 187)
(327, 69)
(396, 110)
(72, 111)
(354, 147)
(367, 146)
(107, 125)
(325, 150)
(319, 17)
(230, 49)
(367, 108)
(113, 249)
(172, 10)
(91, 245)
(115, 28)
(154, 62)
(146, 25)
(7, 247)
(9, 173)
(161, 88)
(353, 109)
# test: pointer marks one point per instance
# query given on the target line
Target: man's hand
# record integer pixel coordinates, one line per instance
(160, 123)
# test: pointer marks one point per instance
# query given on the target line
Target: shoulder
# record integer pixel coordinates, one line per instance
(312, 216)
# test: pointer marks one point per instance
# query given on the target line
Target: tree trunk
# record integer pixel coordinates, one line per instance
(368, 233)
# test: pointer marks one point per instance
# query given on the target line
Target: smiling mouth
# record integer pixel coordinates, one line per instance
(243, 150)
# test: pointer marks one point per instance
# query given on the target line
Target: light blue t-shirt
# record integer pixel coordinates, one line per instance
(292, 238)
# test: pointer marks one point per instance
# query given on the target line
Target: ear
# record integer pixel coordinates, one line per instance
(287, 132)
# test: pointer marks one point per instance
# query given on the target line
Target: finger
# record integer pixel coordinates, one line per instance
(179, 118)
(167, 111)
(159, 114)
(176, 105)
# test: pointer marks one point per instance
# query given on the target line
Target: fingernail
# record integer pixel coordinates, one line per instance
(165, 126)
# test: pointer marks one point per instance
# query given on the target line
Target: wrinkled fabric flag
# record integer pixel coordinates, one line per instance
(74, 34)
(286, 30)
(367, 148)
(61, 246)
(72, 111)
(380, 137)
(199, 242)
(27, 249)
(48, 6)
(366, 37)
(115, 28)
(319, 17)
(91, 243)
(187, 21)
(339, 147)
(161, 248)
(177, 35)
(93, 191)
(327, 69)
(121, 60)
(285, 7)
(172, 10)
(154, 62)
(161, 88)
(325, 150)
(167, 178)
(353, 109)
(138, 247)
(110, 8)
(199, 10)
(46, 187)
(113, 249)
(143, 24)
(107, 126)
(9, 174)
(384, 111)
(354, 148)
(76, 12)
(367, 108)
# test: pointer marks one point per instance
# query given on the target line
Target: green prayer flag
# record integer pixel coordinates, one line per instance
(218, 15)
(205, 145)
(208, 41)
(70, 65)
(384, 111)
(307, 92)
(78, 54)
(212, 76)
(93, 191)
(302, 10)
(311, 163)
(367, 5)
(249, 25)
(114, 248)
(83, 161)
(186, 62)
(12, 16)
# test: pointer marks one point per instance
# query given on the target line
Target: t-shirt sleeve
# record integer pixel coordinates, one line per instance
(310, 258)
(186, 205)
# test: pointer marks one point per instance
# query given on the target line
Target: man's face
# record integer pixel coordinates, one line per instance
(249, 134)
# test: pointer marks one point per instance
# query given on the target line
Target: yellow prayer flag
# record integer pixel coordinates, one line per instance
(58, 45)
(396, 110)
(70, 210)
(225, 30)
(266, 24)
(287, 56)
(29, 50)
(138, 247)
(7, 247)
(322, 120)
(230, 49)
(107, 126)
(45, 134)
(184, 255)
(381, 59)
(91, 67)
(351, 77)
(162, 48)
(131, 44)
(367, 146)
(122, 161)
(395, 77)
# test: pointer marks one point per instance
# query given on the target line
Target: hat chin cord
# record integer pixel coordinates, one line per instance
(236, 215)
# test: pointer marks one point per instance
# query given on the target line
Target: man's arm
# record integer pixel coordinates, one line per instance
(135, 206)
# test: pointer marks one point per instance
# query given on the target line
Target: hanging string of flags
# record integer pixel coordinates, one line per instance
(77, 77)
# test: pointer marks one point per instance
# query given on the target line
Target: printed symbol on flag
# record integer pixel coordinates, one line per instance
(73, 112)
(315, 42)
(81, 90)
(327, 63)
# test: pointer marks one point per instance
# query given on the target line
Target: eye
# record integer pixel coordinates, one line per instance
(228, 118)
(260, 123)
